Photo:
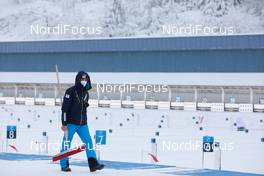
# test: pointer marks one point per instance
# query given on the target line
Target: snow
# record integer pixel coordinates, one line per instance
(125, 18)
(39, 165)
(27, 167)
(242, 152)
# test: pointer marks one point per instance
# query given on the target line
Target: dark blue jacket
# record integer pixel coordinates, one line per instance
(75, 102)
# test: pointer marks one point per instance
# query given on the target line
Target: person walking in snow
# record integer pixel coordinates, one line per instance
(74, 120)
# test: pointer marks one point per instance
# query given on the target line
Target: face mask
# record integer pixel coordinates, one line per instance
(83, 83)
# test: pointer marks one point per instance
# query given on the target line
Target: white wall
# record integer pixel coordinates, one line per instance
(214, 79)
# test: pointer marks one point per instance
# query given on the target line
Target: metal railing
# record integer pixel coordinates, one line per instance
(175, 96)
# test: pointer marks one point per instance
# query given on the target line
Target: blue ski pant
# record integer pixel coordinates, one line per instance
(85, 136)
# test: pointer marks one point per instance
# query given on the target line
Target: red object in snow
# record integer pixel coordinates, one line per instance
(13, 147)
(68, 153)
(154, 157)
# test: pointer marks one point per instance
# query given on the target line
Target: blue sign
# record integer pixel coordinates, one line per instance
(100, 137)
(208, 144)
(11, 132)
(209, 139)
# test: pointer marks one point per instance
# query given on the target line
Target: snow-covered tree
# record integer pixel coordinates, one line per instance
(188, 4)
(120, 18)
(17, 1)
(217, 8)
(115, 19)
(22, 1)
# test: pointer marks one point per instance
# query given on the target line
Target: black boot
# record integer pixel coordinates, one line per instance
(94, 165)
(67, 168)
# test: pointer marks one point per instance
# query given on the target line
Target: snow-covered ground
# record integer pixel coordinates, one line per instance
(33, 166)
(131, 142)
(29, 165)
(123, 18)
